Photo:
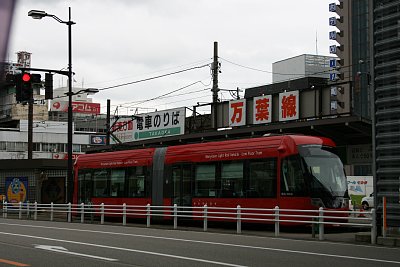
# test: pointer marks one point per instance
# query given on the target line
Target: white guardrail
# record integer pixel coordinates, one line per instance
(318, 218)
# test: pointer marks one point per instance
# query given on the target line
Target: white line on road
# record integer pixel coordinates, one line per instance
(208, 242)
(66, 251)
(124, 249)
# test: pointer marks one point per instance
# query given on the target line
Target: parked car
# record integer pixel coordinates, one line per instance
(367, 202)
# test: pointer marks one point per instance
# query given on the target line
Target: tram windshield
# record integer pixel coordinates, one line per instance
(326, 171)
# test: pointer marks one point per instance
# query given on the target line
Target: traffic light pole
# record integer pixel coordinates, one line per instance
(39, 14)
(70, 133)
(30, 128)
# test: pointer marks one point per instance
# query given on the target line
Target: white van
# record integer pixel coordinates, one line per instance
(367, 202)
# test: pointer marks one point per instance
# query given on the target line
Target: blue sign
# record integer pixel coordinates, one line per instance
(332, 63)
(332, 7)
(332, 35)
(332, 21)
(98, 139)
(332, 49)
(332, 76)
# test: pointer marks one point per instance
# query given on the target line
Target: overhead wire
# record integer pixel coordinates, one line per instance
(153, 78)
(180, 66)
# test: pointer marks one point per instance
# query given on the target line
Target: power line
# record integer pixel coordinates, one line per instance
(183, 94)
(166, 94)
(180, 66)
(154, 77)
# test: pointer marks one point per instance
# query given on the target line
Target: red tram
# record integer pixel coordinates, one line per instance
(289, 171)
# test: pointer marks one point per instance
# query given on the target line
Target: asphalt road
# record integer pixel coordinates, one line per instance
(39, 243)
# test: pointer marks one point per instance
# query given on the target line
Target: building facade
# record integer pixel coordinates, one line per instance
(385, 17)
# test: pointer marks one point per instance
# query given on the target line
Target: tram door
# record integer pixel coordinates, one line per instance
(182, 185)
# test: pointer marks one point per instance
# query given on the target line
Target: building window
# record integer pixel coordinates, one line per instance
(36, 147)
(76, 148)
(3, 146)
(17, 146)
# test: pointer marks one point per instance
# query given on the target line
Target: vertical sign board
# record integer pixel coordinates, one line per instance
(289, 106)
(332, 35)
(332, 63)
(237, 112)
(332, 49)
(332, 21)
(159, 124)
(262, 109)
(332, 7)
(16, 190)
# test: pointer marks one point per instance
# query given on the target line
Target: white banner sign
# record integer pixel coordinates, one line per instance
(237, 112)
(289, 106)
(262, 109)
(151, 125)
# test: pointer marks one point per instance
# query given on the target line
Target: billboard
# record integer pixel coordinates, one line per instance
(16, 189)
(150, 125)
(77, 107)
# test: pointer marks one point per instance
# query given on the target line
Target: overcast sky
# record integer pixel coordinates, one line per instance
(121, 41)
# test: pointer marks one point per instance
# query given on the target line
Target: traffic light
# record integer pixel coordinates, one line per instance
(48, 86)
(36, 80)
(23, 87)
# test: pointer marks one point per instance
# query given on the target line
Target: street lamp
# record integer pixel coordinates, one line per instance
(89, 91)
(38, 14)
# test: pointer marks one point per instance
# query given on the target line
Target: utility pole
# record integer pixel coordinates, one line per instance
(215, 70)
(108, 122)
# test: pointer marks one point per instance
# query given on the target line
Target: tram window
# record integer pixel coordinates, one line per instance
(262, 178)
(205, 180)
(231, 179)
(136, 181)
(100, 183)
(85, 186)
(117, 182)
(292, 177)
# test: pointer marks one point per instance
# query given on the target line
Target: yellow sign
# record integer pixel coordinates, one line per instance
(16, 191)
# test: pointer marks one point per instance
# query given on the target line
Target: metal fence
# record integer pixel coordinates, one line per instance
(317, 218)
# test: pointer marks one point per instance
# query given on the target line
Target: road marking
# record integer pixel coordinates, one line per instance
(186, 240)
(124, 249)
(66, 251)
(209, 242)
(14, 263)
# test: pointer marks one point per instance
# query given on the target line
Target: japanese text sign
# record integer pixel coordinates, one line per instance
(262, 109)
(237, 112)
(289, 106)
(123, 130)
(77, 107)
(159, 124)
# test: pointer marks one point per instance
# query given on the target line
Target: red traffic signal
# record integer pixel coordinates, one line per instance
(26, 77)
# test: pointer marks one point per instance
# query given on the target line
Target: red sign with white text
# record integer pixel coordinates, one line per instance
(64, 156)
(78, 107)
